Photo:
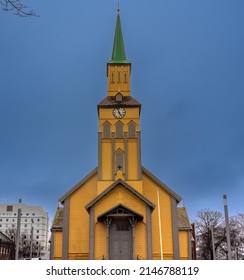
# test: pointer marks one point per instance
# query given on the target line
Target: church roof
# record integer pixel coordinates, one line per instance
(110, 101)
(58, 220)
(183, 220)
(79, 184)
(115, 184)
(161, 184)
(118, 54)
(144, 170)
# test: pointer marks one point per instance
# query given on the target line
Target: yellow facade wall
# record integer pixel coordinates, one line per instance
(150, 191)
(79, 219)
(103, 185)
(58, 241)
(141, 240)
(184, 245)
(132, 159)
(107, 159)
(100, 241)
(106, 114)
(120, 195)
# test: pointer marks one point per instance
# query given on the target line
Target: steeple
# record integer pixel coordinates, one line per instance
(118, 68)
(118, 55)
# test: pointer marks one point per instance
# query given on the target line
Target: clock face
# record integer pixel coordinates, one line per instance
(119, 113)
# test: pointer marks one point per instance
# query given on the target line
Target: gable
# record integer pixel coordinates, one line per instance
(57, 224)
(113, 186)
(183, 220)
(160, 184)
(120, 210)
(78, 185)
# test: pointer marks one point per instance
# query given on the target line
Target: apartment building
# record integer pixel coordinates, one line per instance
(34, 222)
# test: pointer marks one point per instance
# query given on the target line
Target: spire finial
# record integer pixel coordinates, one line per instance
(118, 10)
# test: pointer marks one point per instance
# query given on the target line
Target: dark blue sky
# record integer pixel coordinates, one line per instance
(187, 71)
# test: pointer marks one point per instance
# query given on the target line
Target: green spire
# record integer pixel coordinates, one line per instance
(118, 55)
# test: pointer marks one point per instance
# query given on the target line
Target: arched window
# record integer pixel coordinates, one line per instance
(118, 97)
(119, 130)
(131, 129)
(112, 77)
(119, 160)
(125, 77)
(106, 130)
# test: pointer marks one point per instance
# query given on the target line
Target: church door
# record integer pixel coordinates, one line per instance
(120, 241)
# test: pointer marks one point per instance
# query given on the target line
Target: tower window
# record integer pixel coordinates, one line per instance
(118, 97)
(131, 130)
(106, 130)
(112, 77)
(119, 130)
(119, 160)
(119, 77)
(125, 77)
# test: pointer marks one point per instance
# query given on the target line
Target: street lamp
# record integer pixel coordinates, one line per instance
(18, 231)
(213, 247)
(227, 226)
(31, 243)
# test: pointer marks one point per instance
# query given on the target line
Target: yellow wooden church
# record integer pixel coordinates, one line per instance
(120, 210)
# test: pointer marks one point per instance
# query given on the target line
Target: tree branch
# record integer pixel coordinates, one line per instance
(17, 7)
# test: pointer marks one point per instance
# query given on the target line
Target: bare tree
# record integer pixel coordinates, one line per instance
(240, 221)
(236, 237)
(25, 244)
(25, 248)
(17, 7)
(11, 233)
(207, 219)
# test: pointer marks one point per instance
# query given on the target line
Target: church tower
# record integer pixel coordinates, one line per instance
(120, 210)
(119, 138)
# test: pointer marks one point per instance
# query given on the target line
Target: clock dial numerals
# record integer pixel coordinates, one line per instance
(119, 113)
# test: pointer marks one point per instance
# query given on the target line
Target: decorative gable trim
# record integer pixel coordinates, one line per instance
(115, 211)
(111, 187)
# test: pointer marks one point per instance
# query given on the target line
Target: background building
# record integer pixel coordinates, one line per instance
(32, 218)
(7, 247)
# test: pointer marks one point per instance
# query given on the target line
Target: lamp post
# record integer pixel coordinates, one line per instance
(31, 243)
(18, 231)
(227, 226)
(213, 247)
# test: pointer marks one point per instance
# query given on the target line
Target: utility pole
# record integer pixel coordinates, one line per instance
(31, 243)
(213, 246)
(18, 231)
(227, 226)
